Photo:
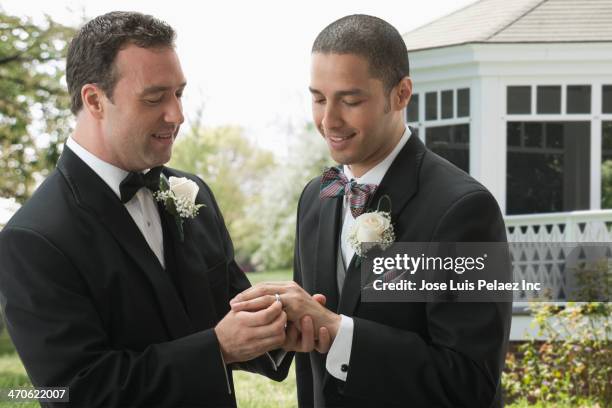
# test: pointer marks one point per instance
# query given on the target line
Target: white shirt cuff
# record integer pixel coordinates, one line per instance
(339, 354)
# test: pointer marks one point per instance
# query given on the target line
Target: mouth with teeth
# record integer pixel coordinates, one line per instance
(163, 135)
(164, 138)
(339, 142)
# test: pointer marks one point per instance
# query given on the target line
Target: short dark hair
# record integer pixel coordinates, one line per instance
(92, 52)
(369, 37)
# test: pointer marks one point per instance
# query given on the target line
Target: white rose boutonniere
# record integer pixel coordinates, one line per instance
(372, 229)
(178, 195)
(185, 191)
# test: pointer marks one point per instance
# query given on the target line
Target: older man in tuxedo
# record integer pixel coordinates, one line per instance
(107, 290)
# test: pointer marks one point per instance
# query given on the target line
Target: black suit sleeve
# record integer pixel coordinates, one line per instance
(460, 365)
(62, 340)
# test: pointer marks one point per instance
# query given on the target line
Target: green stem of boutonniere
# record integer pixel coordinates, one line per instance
(179, 225)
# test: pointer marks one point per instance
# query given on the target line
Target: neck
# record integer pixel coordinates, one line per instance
(87, 134)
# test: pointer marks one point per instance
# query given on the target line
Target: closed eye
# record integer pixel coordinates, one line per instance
(153, 101)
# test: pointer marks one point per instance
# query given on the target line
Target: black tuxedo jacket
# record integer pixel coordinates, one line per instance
(89, 306)
(406, 354)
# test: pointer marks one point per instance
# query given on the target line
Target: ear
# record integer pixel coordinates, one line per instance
(404, 93)
(92, 98)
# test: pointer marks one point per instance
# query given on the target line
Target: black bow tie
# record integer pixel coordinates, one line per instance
(135, 181)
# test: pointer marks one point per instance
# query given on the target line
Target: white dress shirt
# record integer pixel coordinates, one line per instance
(142, 207)
(339, 354)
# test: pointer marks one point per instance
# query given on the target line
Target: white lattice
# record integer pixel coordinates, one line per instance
(538, 251)
(575, 226)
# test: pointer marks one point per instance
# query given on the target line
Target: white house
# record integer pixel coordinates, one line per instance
(519, 94)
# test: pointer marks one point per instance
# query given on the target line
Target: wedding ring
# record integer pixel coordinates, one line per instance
(277, 298)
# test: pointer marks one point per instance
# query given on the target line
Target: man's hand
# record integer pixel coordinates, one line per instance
(244, 335)
(297, 303)
(304, 341)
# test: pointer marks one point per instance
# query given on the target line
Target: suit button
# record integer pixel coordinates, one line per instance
(344, 368)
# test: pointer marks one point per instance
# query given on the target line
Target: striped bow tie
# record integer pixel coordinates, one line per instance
(335, 184)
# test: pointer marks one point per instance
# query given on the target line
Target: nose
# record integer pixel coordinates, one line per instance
(332, 117)
(174, 112)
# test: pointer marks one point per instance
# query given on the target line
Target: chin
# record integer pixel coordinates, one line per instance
(340, 157)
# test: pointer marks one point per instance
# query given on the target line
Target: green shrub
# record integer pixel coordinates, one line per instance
(574, 362)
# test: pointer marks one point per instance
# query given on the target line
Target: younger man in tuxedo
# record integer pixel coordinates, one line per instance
(384, 354)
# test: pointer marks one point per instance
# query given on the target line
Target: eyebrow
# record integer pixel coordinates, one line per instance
(158, 88)
(347, 92)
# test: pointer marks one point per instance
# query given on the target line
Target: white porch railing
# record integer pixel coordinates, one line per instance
(576, 226)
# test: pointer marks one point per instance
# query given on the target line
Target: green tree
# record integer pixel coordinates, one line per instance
(34, 105)
(278, 208)
(236, 171)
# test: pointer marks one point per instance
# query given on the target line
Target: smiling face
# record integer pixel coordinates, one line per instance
(139, 125)
(360, 122)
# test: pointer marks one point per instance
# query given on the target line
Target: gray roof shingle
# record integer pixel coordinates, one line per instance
(518, 21)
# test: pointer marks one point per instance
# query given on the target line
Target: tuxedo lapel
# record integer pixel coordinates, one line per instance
(400, 184)
(327, 250)
(189, 269)
(401, 181)
(92, 194)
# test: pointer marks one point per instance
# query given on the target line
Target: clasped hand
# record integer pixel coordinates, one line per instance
(257, 322)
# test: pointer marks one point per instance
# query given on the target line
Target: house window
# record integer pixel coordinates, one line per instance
(451, 142)
(463, 102)
(412, 111)
(606, 99)
(447, 104)
(549, 99)
(606, 164)
(518, 100)
(579, 99)
(431, 106)
(547, 167)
